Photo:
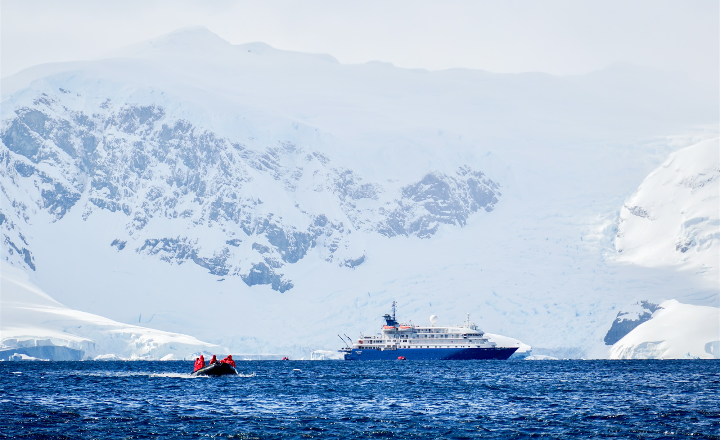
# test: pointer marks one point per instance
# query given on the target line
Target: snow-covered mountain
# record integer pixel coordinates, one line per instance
(266, 200)
(673, 219)
(166, 175)
(675, 331)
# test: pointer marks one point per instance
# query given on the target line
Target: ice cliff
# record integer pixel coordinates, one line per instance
(675, 331)
(31, 318)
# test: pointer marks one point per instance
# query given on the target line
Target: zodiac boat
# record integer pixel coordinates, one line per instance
(216, 369)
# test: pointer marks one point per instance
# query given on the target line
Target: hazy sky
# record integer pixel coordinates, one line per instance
(559, 37)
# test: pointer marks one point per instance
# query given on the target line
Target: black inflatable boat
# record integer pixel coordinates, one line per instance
(216, 369)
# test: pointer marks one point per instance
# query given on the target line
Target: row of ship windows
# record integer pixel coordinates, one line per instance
(410, 344)
(380, 341)
(435, 336)
(421, 346)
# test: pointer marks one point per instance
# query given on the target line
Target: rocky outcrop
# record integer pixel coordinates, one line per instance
(138, 163)
(439, 199)
(625, 322)
(15, 244)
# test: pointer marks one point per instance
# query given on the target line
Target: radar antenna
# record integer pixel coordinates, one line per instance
(390, 320)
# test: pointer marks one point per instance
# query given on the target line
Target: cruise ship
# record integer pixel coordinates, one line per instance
(411, 342)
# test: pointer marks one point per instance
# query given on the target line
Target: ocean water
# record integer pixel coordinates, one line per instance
(383, 399)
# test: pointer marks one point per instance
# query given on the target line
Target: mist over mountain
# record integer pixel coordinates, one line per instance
(265, 200)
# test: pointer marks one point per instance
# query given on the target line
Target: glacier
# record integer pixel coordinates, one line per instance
(31, 318)
(265, 200)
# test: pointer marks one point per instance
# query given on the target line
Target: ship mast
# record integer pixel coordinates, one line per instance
(390, 320)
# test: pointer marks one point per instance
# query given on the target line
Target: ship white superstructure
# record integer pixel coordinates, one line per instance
(407, 341)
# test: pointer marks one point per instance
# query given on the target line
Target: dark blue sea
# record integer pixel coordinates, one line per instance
(393, 399)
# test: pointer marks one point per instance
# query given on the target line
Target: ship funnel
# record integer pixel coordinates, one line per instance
(433, 320)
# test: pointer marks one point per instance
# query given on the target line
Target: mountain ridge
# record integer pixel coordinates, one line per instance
(290, 200)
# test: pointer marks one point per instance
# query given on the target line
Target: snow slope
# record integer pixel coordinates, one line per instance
(31, 317)
(675, 331)
(266, 200)
(673, 219)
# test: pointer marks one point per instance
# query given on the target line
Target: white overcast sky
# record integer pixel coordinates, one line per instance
(558, 37)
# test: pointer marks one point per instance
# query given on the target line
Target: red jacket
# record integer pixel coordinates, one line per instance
(229, 360)
(201, 362)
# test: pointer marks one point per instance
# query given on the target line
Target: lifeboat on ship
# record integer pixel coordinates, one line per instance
(389, 327)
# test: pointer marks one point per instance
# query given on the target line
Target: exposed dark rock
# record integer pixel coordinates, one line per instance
(119, 244)
(348, 186)
(321, 157)
(136, 160)
(439, 199)
(260, 248)
(622, 326)
(684, 245)
(638, 211)
(178, 250)
(24, 170)
(170, 249)
(131, 118)
(215, 264)
(273, 262)
(59, 200)
(27, 256)
(110, 205)
(261, 273)
(22, 136)
(292, 245)
(353, 263)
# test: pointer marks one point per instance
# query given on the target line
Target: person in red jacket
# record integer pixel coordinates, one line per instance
(197, 364)
(202, 362)
(213, 360)
(229, 360)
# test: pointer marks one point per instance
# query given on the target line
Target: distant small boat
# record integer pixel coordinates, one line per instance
(216, 369)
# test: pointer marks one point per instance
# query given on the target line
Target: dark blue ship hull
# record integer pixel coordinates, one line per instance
(431, 354)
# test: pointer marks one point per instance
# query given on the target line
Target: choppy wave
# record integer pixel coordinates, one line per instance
(465, 399)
